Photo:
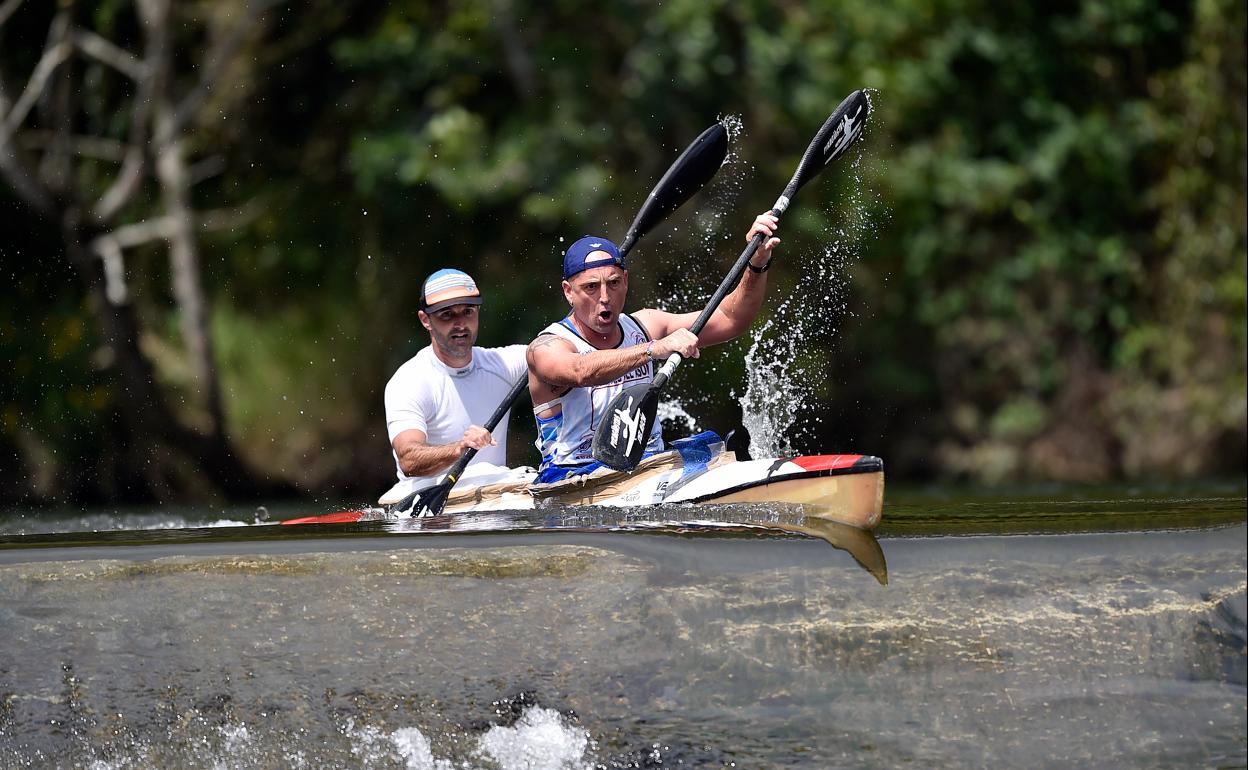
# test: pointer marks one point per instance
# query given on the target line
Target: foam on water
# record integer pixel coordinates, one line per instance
(540, 740)
(38, 524)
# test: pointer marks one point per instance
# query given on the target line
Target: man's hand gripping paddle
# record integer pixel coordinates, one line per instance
(688, 174)
(621, 438)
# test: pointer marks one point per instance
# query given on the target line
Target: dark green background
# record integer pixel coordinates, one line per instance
(1043, 278)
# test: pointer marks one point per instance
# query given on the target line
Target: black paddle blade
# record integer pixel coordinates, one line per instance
(425, 502)
(839, 131)
(688, 174)
(433, 500)
(621, 437)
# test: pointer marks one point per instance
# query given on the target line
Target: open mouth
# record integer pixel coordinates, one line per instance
(605, 316)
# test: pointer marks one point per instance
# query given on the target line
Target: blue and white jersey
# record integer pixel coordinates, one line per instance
(568, 437)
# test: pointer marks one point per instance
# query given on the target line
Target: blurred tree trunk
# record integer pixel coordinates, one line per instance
(184, 264)
(173, 459)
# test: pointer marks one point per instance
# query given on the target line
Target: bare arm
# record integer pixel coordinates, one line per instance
(417, 457)
(738, 310)
(556, 363)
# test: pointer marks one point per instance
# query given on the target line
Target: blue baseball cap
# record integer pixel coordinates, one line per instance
(590, 252)
(446, 288)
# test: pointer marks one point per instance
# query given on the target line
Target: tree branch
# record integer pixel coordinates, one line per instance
(109, 251)
(24, 183)
(27, 187)
(220, 57)
(57, 106)
(7, 9)
(53, 57)
(109, 248)
(138, 233)
(124, 186)
(97, 147)
(229, 219)
(206, 168)
(154, 18)
(105, 51)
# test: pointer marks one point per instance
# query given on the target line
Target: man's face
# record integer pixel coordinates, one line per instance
(597, 297)
(453, 330)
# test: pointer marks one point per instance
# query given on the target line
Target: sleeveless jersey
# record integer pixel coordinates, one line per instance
(568, 437)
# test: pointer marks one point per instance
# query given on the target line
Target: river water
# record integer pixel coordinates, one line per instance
(1066, 629)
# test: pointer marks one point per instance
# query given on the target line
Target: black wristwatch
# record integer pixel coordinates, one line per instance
(762, 269)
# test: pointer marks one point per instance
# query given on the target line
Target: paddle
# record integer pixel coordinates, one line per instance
(688, 174)
(621, 438)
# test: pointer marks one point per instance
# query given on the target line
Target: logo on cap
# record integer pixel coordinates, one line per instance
(587, 252)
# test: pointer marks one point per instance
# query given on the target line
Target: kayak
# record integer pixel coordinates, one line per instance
(846, 488)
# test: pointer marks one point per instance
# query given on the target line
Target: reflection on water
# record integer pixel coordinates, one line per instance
(582, 642)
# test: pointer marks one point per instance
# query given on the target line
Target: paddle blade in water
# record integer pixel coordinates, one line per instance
(688, 174)
(433, 500)
(839, 131)
(426, 502)
(621, 437)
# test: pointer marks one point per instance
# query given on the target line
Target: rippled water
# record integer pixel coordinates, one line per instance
(1089, 630)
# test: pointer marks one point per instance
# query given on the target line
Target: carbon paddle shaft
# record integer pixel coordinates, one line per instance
(837, 133)
(725, 288)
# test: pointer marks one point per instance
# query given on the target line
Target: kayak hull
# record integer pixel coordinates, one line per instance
(856, 499)
(848, 489)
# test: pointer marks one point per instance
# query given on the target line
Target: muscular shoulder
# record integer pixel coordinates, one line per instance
(549, 341)
(548, 354)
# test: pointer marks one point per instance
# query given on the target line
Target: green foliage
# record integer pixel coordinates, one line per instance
(1050, 280)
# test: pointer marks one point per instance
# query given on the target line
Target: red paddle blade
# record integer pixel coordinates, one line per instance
(339, 517)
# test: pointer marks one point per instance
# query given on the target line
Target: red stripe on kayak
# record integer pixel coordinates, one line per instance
(341, 517)
(825, 462)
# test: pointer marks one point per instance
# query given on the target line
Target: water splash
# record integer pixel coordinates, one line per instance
(775, 386)
(709, 247)
(540, 740)
(42, 523)
(789, 354)
(414, 749)
(676, 420)
(684, 286)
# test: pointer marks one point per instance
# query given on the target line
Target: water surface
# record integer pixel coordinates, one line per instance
(1111, 634)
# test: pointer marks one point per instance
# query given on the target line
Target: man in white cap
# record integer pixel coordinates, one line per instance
(578, 365)
(438, 400)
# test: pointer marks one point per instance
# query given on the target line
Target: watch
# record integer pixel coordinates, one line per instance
(762, 269)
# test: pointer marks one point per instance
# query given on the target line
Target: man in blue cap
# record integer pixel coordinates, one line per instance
(579, 364)
(437, 401)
